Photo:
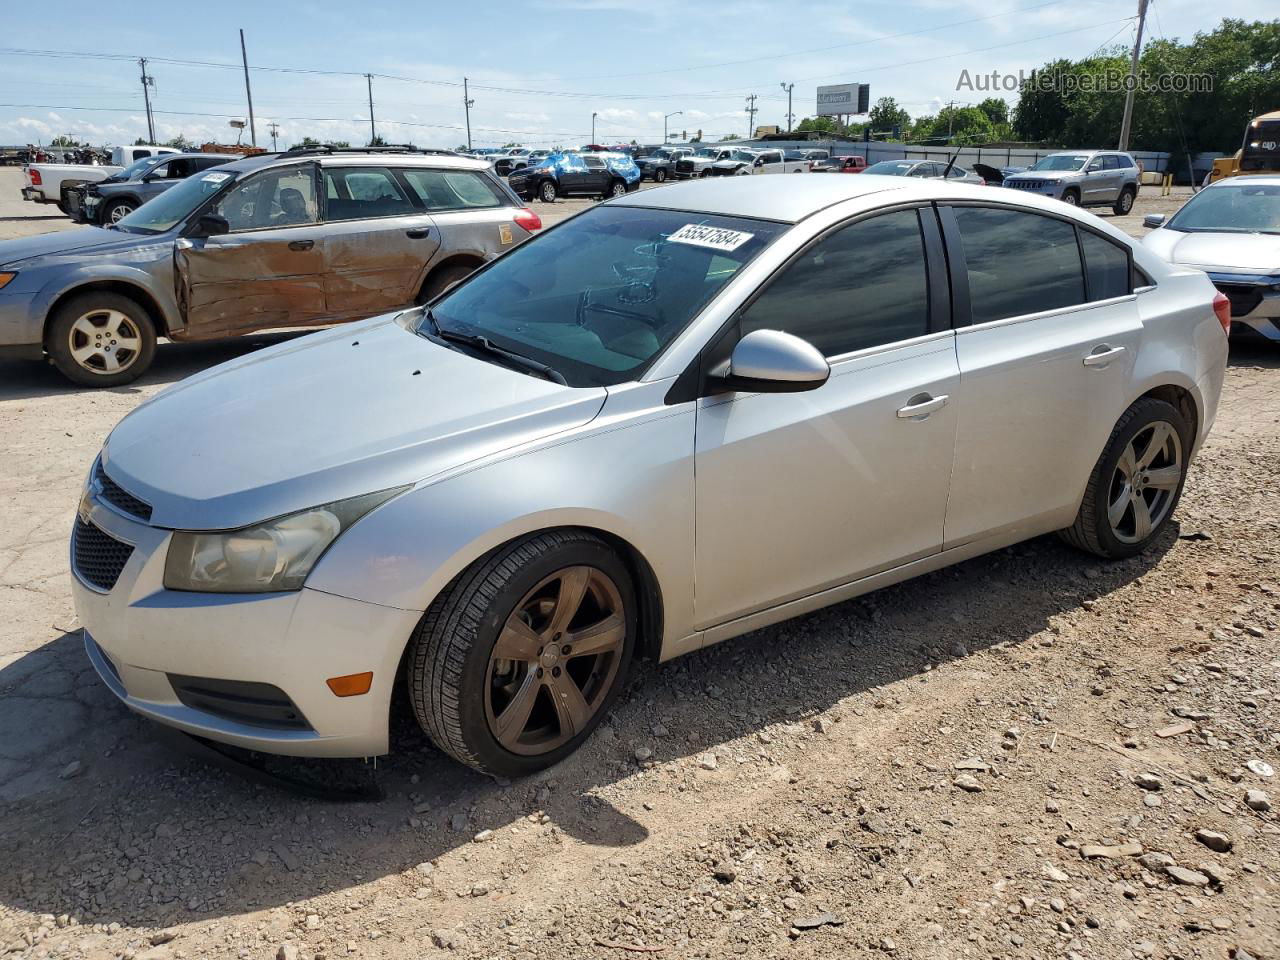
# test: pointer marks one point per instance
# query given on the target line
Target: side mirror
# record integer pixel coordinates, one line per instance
(770, 361)
(211, 225)
(1153, 220)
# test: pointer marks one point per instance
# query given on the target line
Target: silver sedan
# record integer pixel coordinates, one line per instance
(1230, 230)
(680, 416)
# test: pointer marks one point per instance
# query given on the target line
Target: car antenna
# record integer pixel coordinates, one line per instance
(950, 163)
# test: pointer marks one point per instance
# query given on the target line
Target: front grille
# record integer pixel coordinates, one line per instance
(118, 497)
(256, 704)
(97, 557)
(1024, 184)
(684, 166)
(1244, 297)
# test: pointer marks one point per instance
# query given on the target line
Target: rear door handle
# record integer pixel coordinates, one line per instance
(417, 233)
(921, 405)
(301, 244)
(1102, 355)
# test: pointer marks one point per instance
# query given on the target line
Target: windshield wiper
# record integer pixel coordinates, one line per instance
(484, 344)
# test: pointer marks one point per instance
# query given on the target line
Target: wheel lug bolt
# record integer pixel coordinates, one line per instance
(565, 649)
(555, 671)
(539, 673)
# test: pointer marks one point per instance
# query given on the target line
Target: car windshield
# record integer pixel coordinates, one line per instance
(173, 206)
(743, 155)
(600, 296)
(707, 152)
(1061, 161)
(135, 170)
(891, 168)
(1232, 208)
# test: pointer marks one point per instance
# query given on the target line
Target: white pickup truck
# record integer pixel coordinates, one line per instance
(46, 180)
(742, 163)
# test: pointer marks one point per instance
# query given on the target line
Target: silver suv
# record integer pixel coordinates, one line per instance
(1083, 178)
(296, 239)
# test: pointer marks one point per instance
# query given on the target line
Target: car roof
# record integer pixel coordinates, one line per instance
(786, 199)
(356, 159)
(1266, 178)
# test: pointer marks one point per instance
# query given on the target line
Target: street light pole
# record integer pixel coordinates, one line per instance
(790, 116)
(666, 136)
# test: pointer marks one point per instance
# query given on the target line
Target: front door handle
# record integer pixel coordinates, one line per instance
(301, 244)
(921, 405)
(1102, 355)
(417, 233)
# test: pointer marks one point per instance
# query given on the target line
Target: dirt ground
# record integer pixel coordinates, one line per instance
(1030, 755)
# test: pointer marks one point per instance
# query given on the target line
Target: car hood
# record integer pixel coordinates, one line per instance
(1254, 253)
(328, 416)
(79, 241)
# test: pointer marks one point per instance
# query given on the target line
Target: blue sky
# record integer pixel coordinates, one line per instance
(538, 68)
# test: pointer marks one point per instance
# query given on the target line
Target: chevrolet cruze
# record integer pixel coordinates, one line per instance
(677, 417)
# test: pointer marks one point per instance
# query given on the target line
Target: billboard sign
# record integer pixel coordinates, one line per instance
(842, 99)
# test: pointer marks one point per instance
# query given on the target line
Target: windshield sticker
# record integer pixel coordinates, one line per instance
(215, 177)
(717, 238)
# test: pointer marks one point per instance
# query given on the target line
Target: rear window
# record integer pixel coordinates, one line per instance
(363, 193)
(441, 190)
(1106, 266)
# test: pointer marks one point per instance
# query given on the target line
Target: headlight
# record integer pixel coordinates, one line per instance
(5, 278)
(265, 558)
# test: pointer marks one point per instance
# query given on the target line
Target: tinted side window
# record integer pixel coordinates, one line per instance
(452, 189)
(1107, 266)
(595, 163)
(1110, 163)
(362, 193)
(1018, 263)
(178, 169)
(140, 154)
(1125, 161)
(862, 287)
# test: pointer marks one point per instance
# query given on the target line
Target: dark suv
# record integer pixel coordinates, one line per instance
(574, 174)
(659, 163)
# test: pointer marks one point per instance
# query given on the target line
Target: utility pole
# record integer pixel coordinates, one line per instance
(467, 104)
(951, 116)
(666, 136)
(751, 116)
(593, 127)
(274, 128)
(253, 130)
(1127, 120)
(790, 116)
(373, 133)
(147, 83)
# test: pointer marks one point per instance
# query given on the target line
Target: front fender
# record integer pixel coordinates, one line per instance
(631, 478)
(152, 274)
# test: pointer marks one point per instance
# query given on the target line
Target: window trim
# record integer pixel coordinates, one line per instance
(958, 271)
(194, 218)
(500, 198)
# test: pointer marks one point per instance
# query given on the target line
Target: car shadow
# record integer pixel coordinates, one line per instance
(30, 219)
(164, 839)
(1254, 352)
(31, 379)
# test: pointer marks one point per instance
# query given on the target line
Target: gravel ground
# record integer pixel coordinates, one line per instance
(1029, 755)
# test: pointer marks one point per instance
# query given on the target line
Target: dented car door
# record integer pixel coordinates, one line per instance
(267, 270)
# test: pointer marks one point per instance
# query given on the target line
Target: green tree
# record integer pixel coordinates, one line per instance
(377, 141)
(997, 110)
(886, 114)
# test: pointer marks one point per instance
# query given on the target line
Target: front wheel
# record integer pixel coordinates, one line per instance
(523, 654)
(1123, 204)
(659, 175)
(117, 210)
(1071, 198)
(101, 340)
(1135, 484)
(617, 188)
(547, 191)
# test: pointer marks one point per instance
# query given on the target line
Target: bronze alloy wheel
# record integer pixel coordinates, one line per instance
(1145, 483)
(555, 660)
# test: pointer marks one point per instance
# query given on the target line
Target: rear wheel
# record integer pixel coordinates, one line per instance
(547, 191)
(1124, 203)
(705, 173)
(101, 339)
(441, 280)
(1135, 484)
(522, 655)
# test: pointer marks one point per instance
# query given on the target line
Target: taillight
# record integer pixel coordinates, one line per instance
(1222, 307)
(528, 219)
(35, 178)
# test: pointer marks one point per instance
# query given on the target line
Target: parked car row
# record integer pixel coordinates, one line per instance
(303, 238)
(570, 174)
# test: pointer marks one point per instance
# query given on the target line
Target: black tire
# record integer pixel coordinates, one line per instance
(616, 188)
(705, 173)
(1071, 197)
(1124, 202)
(114, 210)
(63, 207)
(1092, 530)
(659, 175)
(449, 653)
(62, 338)
(547, 191)
(441, 280)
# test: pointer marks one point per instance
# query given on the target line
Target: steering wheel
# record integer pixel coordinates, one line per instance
(585, 304)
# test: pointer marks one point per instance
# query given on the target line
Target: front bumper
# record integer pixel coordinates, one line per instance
(1255, 301)
(149, 644)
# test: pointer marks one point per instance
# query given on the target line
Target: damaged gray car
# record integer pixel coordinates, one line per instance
(297, 239)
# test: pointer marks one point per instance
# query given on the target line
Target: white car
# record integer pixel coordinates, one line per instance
(679, 416)
(741, 163)
(1231, 230)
